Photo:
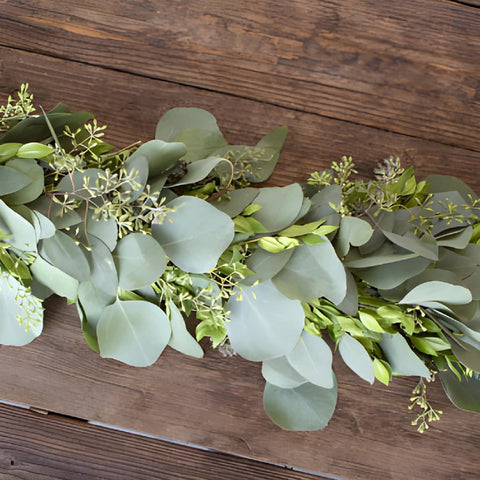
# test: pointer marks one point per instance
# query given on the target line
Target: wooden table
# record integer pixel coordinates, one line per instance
(367, 78)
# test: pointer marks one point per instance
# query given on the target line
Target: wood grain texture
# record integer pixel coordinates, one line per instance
(131, 106)
(409, 67)
(34, 446)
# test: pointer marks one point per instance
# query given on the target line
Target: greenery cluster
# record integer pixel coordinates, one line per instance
(384, 271)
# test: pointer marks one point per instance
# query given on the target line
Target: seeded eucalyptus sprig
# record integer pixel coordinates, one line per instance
(385, 269)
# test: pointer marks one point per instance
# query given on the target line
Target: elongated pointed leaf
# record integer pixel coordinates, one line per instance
(181, 340)
(263, 324)
(134, 332)
(195, 235)
(305, 408)
(436, 291)
(401, 357)
(356, 357)
(312, 359)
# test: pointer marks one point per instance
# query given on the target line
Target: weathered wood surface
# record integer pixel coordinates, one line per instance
(52, 447)
(365, 78)
(409, 67)
(131, 105)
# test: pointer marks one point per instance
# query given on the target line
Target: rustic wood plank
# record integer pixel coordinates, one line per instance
(132, 105)
(34, 446)
(410, 67)
(217, 403)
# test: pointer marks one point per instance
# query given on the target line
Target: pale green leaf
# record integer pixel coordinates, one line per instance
(356, 357)
(313, 271)
(195, 234)
(34, 189)
(140, 261)
(425, 247)
(197, 171)
(134, 332)
(280, 206)
(236, 201)
(62, 252)
(17, 303)
(312, 359)
(401, 357)
(280, 373)
(55, 279)
(436, 291)
(181, 340)
(353, 231)
(22, 233)
(160, 155)
(464, 394)
(12, 180)
(305, 408)
(263, 324)
(181, 118)
(265, 264)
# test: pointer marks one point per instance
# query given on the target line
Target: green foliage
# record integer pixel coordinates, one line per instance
(383, 270)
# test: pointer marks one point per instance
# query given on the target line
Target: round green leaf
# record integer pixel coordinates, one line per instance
(12, 180)
(34, 189)
(263, 324)
(178, 119)
(356, 357)
(312, 359)
(280, 206)
(194, 235)
(313, 271)
(280, 373)
(353, 231)
(134, 332)
(140, 261)
(305, 408)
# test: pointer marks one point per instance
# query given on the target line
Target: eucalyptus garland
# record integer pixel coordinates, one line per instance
(385, 271)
